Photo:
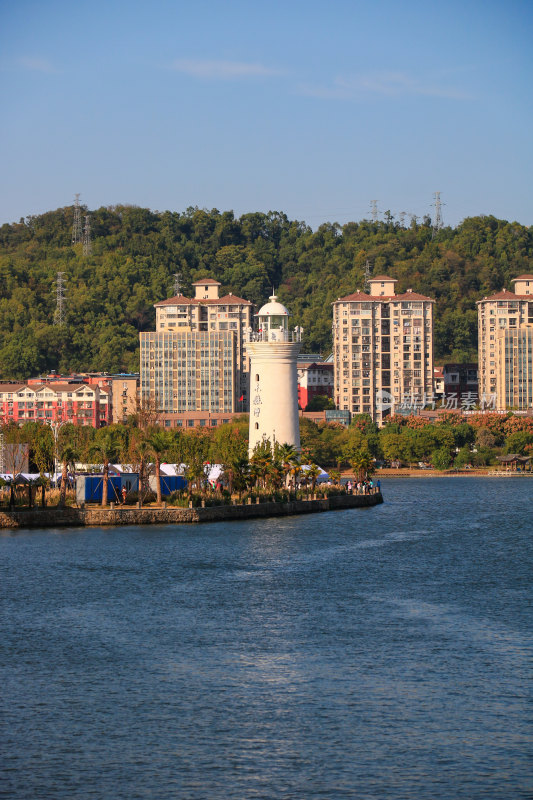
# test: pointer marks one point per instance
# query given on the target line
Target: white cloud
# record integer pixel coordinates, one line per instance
(222, 70)
(37, 64)
(390, 84)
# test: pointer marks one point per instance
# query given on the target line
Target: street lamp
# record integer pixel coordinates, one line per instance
(55, 426)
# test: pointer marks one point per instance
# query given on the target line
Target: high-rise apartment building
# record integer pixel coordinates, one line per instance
(196, 358)
(505, 330)
(504, 320)
(383, 349)
(514, 375)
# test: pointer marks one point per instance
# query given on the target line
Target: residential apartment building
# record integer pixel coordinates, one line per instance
(514, 371)
(505, 320)
(124, 396)
(122, 390)
(50, 403)
(196, 359)
(383, 350)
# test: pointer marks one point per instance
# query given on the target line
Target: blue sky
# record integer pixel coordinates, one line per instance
(312, 108)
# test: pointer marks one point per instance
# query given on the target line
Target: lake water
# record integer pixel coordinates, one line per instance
(379, 653)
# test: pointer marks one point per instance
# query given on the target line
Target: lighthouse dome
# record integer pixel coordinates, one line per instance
(273, 308)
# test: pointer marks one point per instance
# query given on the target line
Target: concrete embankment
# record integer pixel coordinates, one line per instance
(99, 517)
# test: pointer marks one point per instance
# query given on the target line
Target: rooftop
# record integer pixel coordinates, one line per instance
(181, 300)
(505, 294)
(203, 281)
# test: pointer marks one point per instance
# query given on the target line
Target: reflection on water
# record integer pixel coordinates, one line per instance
(378, 653)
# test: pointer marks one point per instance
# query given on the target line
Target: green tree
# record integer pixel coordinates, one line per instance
(320, 402)
(519, 442)
(441, 458)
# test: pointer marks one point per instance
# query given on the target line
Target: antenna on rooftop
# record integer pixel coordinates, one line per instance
(87, 244)
(76, 225)
(368, 273)
(437, 225)
(177, 283)
(59, 315)
(374, 207)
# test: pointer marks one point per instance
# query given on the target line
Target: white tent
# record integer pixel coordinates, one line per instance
(173, 469)
(29, 477)
(322, 478)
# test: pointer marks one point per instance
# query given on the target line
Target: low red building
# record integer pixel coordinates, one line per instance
(314, 379)
(54, 402)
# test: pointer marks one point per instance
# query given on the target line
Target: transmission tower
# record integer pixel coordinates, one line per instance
(76, 225)
(2, 460)
(401, 217)
(59, 315)
(368, 273)
(414, 219)
(374, 207)
(177, 283)
(87, 244)
(438, 216)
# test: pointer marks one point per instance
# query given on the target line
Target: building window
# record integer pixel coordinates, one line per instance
(257, 426)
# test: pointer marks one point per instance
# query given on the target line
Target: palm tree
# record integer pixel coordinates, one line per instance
(262, 460)
(313, 474)
(67, 456)
(362, 464)
(140, 453)
(159, 444)
(240, 469)
(295, 472)
(106, 448)
(335, 475)
(286, 454)
(275, 475)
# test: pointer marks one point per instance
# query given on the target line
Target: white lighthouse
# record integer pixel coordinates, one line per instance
(273, 351)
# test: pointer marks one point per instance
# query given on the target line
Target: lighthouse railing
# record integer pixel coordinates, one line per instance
(274, 335)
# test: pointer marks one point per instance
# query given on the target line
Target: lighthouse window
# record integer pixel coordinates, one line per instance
(257, 426)
(257, 377)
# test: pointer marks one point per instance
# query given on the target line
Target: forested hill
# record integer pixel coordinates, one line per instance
(135, 253)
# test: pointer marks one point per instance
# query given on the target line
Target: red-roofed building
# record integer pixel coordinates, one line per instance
(55, 402)
(196, 358)
(383, 350)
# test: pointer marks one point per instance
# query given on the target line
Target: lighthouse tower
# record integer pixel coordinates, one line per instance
(273, 351)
